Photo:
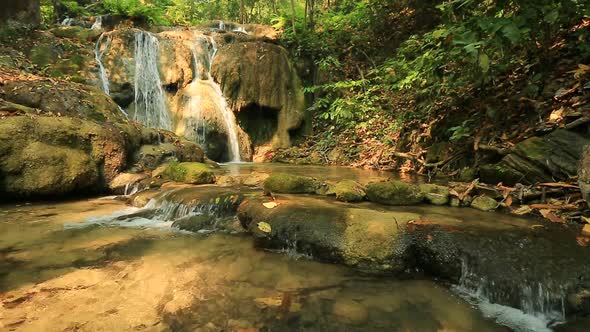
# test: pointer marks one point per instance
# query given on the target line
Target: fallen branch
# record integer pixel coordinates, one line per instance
(500, 151)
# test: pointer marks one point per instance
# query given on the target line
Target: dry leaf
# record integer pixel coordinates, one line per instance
(583, 241)
(523, 210)
(548, 214)
(508, 201)
(270, 205)
(264, 227)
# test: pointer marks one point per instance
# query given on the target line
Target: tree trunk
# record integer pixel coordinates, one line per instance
(24, 11)
(242, 11)
(293, 17)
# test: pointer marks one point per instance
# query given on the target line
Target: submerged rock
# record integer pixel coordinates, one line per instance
(435, 194)
(394, 193)
(189, 172)
(291, 184)
(349, 191)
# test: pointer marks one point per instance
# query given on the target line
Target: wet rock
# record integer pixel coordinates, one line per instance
(394, 193)
(290, 184)
(579, 300)
(456, 202)
(484, 203)
(124, 180)
(364, 238)
(189, 172)
(350, 311)
(349, 191)
(467, 174)
(435, 194)
(75, 32)
(539, 159)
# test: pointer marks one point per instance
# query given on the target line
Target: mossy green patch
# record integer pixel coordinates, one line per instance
(435, 194)
(189, 172)
(349, 191)
(394, 193)
(291, 184)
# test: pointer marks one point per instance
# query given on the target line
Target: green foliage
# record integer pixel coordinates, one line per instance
(152, 11)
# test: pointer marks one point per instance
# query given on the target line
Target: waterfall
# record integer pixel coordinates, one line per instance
(97, 25)
(150, 102)
(533, 306)
(99, 52)
(204, 51)
(67, 21)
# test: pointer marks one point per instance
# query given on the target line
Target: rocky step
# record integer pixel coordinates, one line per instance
(512, 261)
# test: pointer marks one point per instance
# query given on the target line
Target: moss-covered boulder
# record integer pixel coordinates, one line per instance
(349, 191)
(484, 203)
(434, 194)
(394, 193)
(189, 172)
(290, 184)
(76, 32)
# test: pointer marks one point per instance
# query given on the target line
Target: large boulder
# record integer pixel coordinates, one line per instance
(349, 191)
(539, 159)
(291, 184)
(189, 172)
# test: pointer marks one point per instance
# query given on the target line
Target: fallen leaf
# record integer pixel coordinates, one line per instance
(508, 201)
(586, 219)
(548, 214)
(583, 241)
(523, 210)
(270, 205)
(586, 230)
(558, 185)
(264, 227)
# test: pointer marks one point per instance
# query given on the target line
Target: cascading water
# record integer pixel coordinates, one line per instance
(539, 305)
(99, 51)
(150, 102)
(67, 21)
(97, 25)
(204, 51)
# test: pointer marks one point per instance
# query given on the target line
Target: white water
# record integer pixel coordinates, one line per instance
(150, 102)
(539, 309)
(67, 21)
(99, 52)
(204, 51)
(97, 25)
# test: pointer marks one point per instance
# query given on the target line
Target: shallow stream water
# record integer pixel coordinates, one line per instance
(55, 276)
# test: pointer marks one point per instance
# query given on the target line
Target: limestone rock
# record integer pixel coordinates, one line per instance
(484, 203)
(349, 191)
(123, 180)
(189, 172)
(394, 193)
(290, 184)
(435, 194)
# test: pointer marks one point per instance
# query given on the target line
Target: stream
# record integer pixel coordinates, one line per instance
(75, 266)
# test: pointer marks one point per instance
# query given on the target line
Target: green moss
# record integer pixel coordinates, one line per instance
(349, 191)
(189, 172)
(76, 32)
(435, 194)
(290, 184)
(394, 193)
(484, 203)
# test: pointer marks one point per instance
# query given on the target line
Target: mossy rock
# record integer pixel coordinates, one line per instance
(349, 191)
(484, 203)
(188, 172)
(291, 184)
(435, 194)
(76, 32)
(394, 193)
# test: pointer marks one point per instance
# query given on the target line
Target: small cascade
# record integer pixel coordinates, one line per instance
(97, 25)
(99, 51)
(529, 306)
(150, 103)
(67, 21)
(204, 51)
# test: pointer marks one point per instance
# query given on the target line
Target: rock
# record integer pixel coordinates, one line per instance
(435, 194)
(394, 193)
(584, 174)
(586, 230)
(456, 202)
(124, 180)
(467, 174)
(539, 159)
(290, 184)
(350, 311)
(349, 191)
(484, 203)
(189, 172)
(328, 231)
(255, 179)
(326, 189)
(76, 32)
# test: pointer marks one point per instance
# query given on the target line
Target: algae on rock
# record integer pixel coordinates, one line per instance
(394, 193)
(291, 184)
(189, 172)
